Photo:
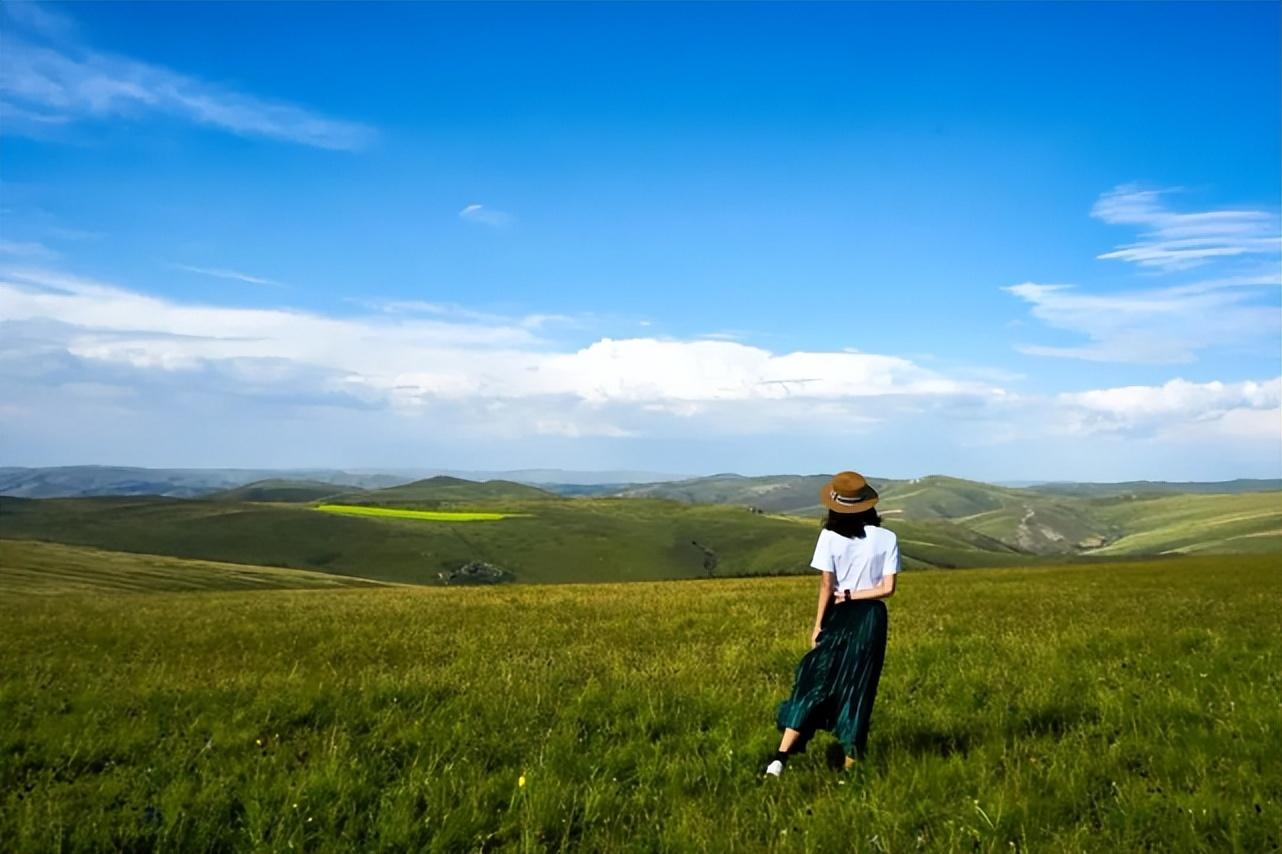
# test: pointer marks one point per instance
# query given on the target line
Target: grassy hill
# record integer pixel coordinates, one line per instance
(443, 490)
(798, 494)
(53, 568)
(964, 517)
(287, 491)
(549, 540)
(1240, 523)
(1132, 707)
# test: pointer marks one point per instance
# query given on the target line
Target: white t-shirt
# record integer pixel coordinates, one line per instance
(859, 563)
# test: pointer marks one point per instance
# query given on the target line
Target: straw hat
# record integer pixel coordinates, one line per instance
(848, 492)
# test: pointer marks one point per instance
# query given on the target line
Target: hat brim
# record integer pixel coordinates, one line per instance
(825, 497)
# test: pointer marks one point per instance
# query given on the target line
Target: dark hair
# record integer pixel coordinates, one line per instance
(851, 524)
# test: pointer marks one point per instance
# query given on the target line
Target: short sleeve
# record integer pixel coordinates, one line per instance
(892, 558)
(823, 554)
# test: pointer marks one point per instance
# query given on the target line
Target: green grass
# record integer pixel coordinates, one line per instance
(423, 515)
(1117, 707)
(52, 568)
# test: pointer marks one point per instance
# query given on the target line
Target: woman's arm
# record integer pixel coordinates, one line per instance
(884, 590)
(826, 584)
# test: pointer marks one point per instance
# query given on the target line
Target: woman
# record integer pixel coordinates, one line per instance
(836, 681)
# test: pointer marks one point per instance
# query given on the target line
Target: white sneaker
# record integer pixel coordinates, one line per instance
(774, 769)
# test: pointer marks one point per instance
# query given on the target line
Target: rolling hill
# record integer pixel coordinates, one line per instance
(285, 491)
(443, 490)
(1094, 519)
(552, 540)
(1244, 523)
(772, 494)
(86, 481)
(698, 529)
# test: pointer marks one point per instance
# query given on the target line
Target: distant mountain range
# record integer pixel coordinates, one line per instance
(86, 481)
(933, 496)
(786, 493)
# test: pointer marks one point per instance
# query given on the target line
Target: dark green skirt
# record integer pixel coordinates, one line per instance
(836, 681)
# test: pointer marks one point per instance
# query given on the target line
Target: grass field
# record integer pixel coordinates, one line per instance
(1118, 707)
(422, 515)
(52, 568)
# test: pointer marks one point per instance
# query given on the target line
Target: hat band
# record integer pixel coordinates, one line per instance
(841, 499)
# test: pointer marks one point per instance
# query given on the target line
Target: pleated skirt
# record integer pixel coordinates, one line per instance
(836, 681)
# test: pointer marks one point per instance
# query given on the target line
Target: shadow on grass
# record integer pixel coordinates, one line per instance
(1050, 721)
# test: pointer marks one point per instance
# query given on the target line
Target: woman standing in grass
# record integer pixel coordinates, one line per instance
(836, 681)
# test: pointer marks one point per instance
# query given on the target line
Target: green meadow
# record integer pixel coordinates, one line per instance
(1108, 707)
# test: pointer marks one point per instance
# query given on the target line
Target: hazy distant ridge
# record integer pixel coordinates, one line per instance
(87, 481)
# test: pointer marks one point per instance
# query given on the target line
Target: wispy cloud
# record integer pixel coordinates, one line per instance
(1160, 325)
(29, 249)
(37, 18)
(1178, 241)
(1234, 303)
(42, 85)
(235, 275)
(64, 233)
(457, 312)
(486, 216)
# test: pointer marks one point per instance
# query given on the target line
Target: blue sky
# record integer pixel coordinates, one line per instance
(999, 241)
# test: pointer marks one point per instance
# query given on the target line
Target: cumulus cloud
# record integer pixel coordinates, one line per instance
(1248, 410)
(56, 83)
(482, 215)
(411, 362)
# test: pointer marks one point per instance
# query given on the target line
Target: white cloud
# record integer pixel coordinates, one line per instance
(49, 85)
(1179, 408)
(413, 363)
(458, 312)
(1177, 241)
(1233, 305)
(486, 216)
(235, 275)
(450, 377)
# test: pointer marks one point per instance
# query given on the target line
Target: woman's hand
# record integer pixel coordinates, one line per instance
(814, 637)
